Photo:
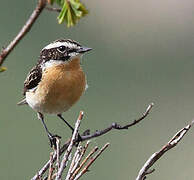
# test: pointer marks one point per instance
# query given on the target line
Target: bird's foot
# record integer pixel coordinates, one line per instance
(78, 140)
(53, 140)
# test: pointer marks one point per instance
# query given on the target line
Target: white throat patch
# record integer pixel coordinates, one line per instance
(51, 63)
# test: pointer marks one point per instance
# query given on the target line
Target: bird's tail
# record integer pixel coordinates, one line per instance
(22, 102)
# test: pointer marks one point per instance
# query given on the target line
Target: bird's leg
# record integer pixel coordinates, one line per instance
(52, 138)
(61, 117)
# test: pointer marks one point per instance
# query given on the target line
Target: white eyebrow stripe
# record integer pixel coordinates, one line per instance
(58, 44)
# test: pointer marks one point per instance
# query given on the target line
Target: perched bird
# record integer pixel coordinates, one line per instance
(56, 82)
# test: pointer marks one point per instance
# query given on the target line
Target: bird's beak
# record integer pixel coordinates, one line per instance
(84, 49)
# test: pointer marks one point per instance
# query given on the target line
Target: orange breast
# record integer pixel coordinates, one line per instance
(61, 87)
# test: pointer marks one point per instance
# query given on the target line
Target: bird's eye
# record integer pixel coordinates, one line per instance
(62, 48)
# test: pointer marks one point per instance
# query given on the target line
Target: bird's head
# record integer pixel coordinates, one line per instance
(62, 50)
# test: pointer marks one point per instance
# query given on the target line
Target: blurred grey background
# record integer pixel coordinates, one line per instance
(142, 53)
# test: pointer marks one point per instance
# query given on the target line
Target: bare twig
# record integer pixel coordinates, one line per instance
(84, 149)
(69, 149)
(46, 166)
(51, 169)
(85, 169)
(74, 162)
(117, 126)
(35, 14)
(43, 169)
(77, 165)
(58, 153)
(96, 134)
(84, 162)
(157, 155)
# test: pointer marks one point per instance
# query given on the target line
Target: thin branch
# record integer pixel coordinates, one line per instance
(85, 169)
(35, 14)
(46, 166)
(78, 159)
(77, 164)
(74, 162)
(84, 162)
(51, 169)
(157, 155)
(69, 149)
(117, 126)
(96, 134)
(58, 153)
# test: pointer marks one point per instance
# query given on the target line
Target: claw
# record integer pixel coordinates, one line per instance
(53, 140)
(79, 139)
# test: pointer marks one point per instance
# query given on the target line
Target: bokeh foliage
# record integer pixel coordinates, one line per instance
(2, 69)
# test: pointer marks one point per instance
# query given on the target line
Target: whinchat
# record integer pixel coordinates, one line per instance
(57, 81)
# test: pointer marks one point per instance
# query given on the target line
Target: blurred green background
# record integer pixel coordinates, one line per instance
(142, 53)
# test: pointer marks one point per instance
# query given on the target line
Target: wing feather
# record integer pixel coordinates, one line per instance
(33, 78)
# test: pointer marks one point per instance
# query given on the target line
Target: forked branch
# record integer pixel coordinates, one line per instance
(145, 170)
(95, 134)
(118, 126)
